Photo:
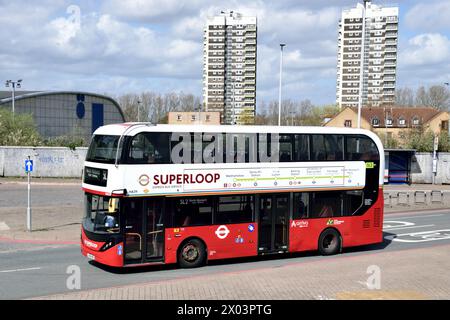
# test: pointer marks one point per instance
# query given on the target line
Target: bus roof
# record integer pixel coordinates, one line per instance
(132, 128)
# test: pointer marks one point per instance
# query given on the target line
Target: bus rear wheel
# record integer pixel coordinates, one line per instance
(330, 242)
(192, 254)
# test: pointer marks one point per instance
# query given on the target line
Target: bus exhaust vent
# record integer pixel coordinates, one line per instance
(366, 224)
(377, 217)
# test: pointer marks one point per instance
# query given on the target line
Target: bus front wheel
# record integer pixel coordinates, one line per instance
(330, 242)
(192, 254)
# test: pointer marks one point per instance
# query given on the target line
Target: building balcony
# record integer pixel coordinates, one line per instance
(391, 27)
(391, 34)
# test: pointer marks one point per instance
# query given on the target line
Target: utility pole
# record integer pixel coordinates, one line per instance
(279, 89)
(361, 63)
(13, 85)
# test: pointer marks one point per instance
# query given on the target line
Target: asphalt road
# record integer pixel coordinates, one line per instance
(30, 270)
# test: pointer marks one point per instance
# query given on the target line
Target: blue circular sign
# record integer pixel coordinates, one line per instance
(80, 110)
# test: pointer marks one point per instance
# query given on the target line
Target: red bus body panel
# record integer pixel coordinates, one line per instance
(110, 257)
(238, 241)
(355, 230)
(241, 240)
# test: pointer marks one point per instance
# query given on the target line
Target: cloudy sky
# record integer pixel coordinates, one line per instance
(117, 46)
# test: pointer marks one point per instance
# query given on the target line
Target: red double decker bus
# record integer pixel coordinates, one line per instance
(160, 194)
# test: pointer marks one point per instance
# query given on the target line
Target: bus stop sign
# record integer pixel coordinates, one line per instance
(28, 166)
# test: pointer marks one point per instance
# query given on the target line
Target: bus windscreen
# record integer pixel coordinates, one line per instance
(103, 149)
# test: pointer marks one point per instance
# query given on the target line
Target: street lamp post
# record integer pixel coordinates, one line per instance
(139, 111)
(14, 85)
(361, 64)
(199, 110)
(279, 89)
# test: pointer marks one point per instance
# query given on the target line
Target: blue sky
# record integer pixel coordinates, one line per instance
(116, 47)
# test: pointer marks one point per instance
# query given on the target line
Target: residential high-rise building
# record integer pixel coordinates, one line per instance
(372, 30)
(229, 67)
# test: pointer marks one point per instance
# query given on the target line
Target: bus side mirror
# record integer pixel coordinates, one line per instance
(113, 204)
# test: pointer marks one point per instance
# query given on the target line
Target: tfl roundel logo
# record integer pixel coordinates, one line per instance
(144, 180)
(222, 232)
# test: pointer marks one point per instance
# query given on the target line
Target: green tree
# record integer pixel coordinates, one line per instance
(419, 140)
(71, 142)
(444, 142)
(18, 129)
(389, 142)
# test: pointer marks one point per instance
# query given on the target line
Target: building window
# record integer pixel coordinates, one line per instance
(179, 117)
(375, 122)
(389, 121)
(401, 122)
(416, 121)
(348, 123)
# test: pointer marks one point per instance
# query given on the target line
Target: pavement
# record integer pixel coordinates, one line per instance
(56, 207)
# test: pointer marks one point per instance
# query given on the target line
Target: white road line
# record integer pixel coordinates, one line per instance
(416, 217)
(410, 227)
(3, 226)
(17, 270)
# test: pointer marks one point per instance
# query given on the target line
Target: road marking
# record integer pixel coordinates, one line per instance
(3, 226)
(425, 236)
(396, 224)
(18, 270)
(426, 216)
(411, 227)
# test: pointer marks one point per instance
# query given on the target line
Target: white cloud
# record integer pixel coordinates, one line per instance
(426, 49)
(149, 10)
(429, 16)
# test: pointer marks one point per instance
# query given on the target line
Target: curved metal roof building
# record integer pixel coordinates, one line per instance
(65, 113)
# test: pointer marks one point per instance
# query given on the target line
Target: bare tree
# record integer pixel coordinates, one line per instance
(439, 97)
(422, 98)
(404, 97)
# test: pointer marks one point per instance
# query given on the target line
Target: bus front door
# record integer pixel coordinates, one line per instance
(273, 223)
(154, 250)
(144, 231)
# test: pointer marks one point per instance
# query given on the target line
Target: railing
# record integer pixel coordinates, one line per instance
(411, 198)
